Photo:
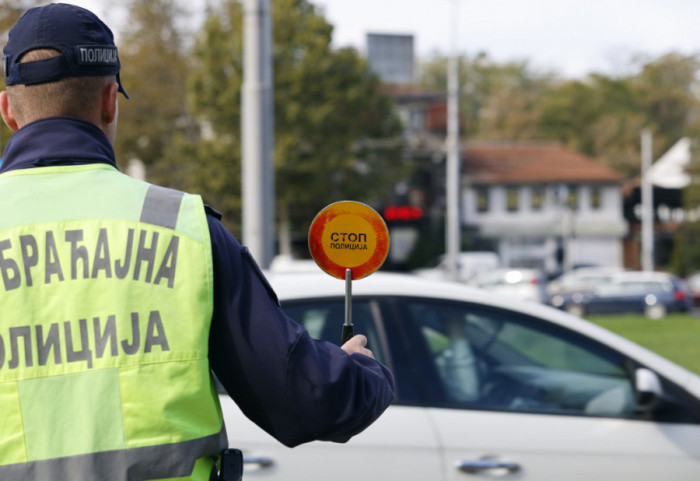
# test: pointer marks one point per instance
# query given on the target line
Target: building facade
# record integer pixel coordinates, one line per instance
(535, 204)
(542, 205)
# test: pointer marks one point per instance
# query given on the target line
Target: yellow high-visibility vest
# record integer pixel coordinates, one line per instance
(106, 297)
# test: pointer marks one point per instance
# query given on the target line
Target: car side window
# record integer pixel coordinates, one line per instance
(324, 320)
(496, 359)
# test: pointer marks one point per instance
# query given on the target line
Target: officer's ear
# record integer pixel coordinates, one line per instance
(109, 103)
(7, 113)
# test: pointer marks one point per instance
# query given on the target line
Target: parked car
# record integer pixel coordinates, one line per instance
(486, 386)
(554, 275)
(567, 291)
(651, 293)
(581, 279)
(693, 282)
(525, 284)
(469, 264)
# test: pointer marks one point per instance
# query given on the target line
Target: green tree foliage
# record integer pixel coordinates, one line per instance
(10, 11)
(686, 254)
(512, 110)
(667, 92)
(599, 115)
(208, 162)
(335, 132)
(498, 101)
(603, 116)
(154, 72)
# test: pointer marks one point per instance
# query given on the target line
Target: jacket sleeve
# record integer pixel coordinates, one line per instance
(296, 388)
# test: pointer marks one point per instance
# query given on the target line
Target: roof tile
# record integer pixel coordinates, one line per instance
(527, 163)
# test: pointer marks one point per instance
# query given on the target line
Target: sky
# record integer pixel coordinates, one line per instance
(568, 37)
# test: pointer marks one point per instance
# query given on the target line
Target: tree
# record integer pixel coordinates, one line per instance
(602, 116)
(10, 11)
(667, 89)
(686, 252)
(498, 101)
(154, 72)
(598, 116)
(335, 132)
(511, 112)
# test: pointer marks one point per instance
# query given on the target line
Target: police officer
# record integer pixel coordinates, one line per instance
(118, 297)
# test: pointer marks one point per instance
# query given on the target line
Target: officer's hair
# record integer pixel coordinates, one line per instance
(71, 96)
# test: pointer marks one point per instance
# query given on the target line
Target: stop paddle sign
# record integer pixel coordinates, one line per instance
(348, 235)
(348, 240)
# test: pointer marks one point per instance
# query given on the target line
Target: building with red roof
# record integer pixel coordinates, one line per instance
(542, 205)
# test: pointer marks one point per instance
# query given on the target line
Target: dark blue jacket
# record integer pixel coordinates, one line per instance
(296, 388)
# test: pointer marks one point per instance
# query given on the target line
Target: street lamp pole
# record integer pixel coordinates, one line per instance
(453, 181)
(257, 132)
(647, 204)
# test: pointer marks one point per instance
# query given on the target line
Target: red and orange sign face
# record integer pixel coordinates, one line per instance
(348, 235)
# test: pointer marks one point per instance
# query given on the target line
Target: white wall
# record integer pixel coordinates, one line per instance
(592, 235)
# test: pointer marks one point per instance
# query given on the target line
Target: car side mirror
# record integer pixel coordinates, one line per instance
(649, 391)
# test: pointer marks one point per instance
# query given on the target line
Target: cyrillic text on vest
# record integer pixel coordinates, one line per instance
(43, 258)
(80, 341)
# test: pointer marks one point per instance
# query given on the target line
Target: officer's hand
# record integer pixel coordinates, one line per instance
(357, 344)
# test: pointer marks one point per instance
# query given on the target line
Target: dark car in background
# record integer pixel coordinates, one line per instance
(651, 293)
(567, 291)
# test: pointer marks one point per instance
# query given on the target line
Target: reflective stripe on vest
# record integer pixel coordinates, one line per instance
(106, 290)
(161, 206)
(152, 462)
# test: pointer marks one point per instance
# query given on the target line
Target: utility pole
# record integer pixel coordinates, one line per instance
(257, 132)
(647, 205)
(452, 177)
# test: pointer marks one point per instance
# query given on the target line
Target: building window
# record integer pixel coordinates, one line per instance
(572, 198)
(537, 199)
(596, 198)
(512, 198)
(482, 199)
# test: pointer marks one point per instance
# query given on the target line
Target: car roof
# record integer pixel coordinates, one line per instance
(314, 285)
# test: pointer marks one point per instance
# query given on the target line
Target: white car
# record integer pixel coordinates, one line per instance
(487, 387)
(469, 264)
(525, 284)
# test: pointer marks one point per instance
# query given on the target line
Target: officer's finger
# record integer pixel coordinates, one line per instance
(356, 344)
